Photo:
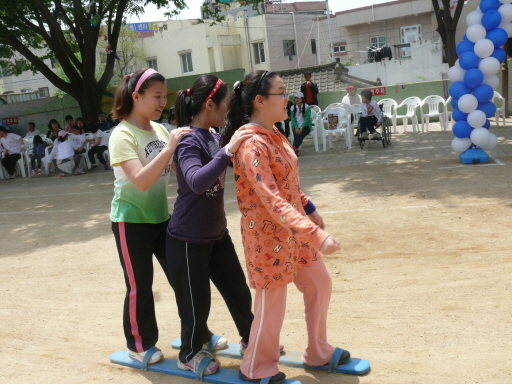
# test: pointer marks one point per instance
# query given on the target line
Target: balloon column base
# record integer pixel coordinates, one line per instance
(476, 155)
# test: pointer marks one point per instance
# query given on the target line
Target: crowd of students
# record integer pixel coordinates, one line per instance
(283, 234)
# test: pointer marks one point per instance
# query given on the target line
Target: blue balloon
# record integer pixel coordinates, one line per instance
(465, 37)
(486, 5)
(462, 129)
(473, 78)
(455, 103)
(491, 19)
(498, 36)
(459, 89)
(483, 93)
(499, 54)
(469, 60)
(488, 108)
(458, 115)
(487, 124)
(465, 46)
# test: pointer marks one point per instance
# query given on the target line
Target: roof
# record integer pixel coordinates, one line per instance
(324, 76)
(304, 6)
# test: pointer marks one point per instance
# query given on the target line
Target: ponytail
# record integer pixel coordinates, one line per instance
(123, 100)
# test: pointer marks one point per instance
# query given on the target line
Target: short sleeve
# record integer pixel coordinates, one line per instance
(122, 147)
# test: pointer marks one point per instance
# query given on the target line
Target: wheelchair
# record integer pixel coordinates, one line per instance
(385, 134)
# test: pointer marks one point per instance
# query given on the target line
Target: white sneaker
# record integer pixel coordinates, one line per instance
(376, 135)
(370, 136)
(139, 356)
(193, 364)
(14, 175)
(221, 344)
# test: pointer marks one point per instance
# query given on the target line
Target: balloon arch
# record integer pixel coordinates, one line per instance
(474, 77)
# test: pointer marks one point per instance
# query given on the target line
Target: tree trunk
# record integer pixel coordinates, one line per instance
(450, 49)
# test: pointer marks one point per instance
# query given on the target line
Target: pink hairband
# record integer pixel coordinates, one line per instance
(215, 89)
(188, 92)
(143, 78)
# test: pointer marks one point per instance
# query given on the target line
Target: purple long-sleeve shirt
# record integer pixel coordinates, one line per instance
(201, 171)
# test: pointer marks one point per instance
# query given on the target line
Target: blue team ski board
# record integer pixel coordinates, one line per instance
(293, 359)
(170, 367)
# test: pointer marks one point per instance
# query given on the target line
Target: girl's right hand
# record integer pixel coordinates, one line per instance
(330, 246)
(176, 135)
(238, 138)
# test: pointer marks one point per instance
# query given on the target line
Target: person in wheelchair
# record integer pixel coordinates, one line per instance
(371, 116)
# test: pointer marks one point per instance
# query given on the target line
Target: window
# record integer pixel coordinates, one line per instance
(44, 92)
(54, 62)
(5, 72)
(340, 48)
(259, 53)
(186, 62)
(378, 41)
(313, 46)
(153, 64)
(26, 90)
(289, 47)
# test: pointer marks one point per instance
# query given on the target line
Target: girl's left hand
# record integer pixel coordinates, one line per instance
(317, 219)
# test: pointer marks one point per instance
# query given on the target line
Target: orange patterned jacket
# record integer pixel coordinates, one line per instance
(277, 235)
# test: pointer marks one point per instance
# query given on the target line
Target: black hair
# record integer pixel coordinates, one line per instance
(82, 120)
(92, 128)
(102, 113)
(303, 107)
(37, 140)
(241, 102)
(52, 121)
(32, 124)
(186, 110)
(123, 101)
(3, 129)
(68, 117)
(307, 73)
(366, 93)
(77, 127)
(63, 138)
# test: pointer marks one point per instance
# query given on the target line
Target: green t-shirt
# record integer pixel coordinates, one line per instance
(131, 204)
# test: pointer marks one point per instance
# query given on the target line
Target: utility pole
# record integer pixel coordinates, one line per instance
(330, 31)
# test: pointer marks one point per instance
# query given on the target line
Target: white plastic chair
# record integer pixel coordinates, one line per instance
(433, 103)
(389, 109)
(411, 103)
(316, 116)
(499, 109)
(448, 113)
(343, 126)
(106, 154)
(29, 144)
(355, 111)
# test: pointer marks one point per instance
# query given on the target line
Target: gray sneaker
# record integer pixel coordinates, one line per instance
(364, 135)
(376, 135)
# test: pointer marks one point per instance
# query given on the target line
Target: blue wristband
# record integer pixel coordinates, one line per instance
(309, 208)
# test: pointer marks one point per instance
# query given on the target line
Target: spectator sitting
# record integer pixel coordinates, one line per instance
(351, 97)
(102, 123)
(53, 129)
(68, 161)
(172, 122)
(371, 115)
(37, 154)
(32, 131)
(309, 90)
(70, 122)
(300, 116)
(286, 129)
(13, 147)
(100, 145)
(79, 138)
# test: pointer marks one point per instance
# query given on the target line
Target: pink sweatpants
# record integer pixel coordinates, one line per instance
(261, 357)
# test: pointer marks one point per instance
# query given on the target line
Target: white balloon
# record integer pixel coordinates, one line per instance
(477, 119)
(468, 103)
(493, 141)
(476, 32)
(505, 1)
(456, 73)
(480, 136)
(484, 48)
(493, 81)
(460, 145)
(489, 66)
(507, 26)
(506, 12)
(456, 63)
(474, 17)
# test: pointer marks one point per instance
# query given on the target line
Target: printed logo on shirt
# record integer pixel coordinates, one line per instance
(157, 146)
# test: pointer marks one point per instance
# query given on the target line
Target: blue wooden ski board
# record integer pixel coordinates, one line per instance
(170, 367)
(293, 359)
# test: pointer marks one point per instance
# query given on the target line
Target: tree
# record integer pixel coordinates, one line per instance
(447, 26)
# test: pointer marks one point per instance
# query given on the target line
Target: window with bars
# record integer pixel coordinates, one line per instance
(44, 92)
(289, 47)
(378, 41)
(186, 62)
(340, 48)
(259, 52)
(153, 64)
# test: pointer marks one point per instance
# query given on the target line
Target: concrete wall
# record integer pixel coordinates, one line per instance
(425, 63)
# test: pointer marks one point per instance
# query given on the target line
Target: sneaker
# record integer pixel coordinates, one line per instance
(32, 173)
(244, 345)
(276, 379)
(157, 356)
(39, 173)
(62, 175)
(364, 135)
(193, 364)
(107, 168)
(376, 135)
(14, 175)
(79, 173)
(221, 344)
(93, 167)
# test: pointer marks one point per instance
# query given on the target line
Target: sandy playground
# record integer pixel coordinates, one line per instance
(422, 287)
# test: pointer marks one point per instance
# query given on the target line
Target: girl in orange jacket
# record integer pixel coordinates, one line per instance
(282, 233)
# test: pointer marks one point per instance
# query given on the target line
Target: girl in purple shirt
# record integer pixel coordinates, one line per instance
(199, 248)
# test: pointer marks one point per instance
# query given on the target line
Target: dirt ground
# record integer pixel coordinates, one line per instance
(422, 287)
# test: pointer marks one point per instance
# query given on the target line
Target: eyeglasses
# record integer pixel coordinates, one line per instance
(284, 94)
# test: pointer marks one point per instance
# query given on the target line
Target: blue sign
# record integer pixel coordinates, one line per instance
(140, 27)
